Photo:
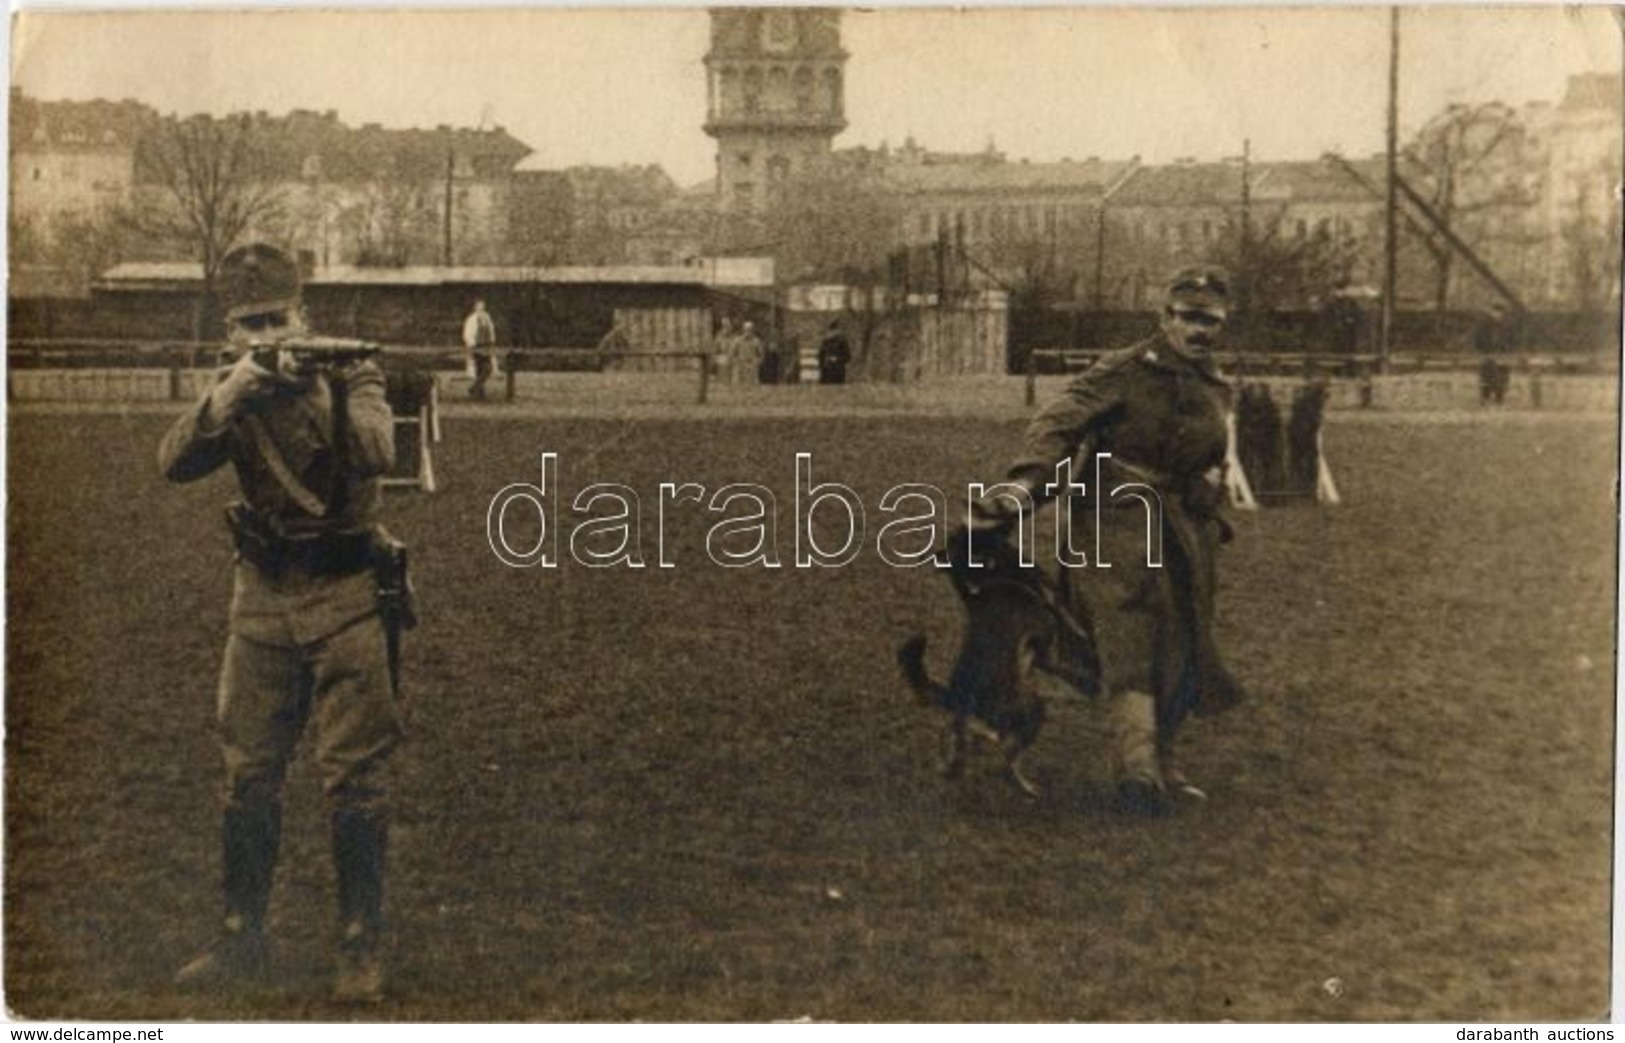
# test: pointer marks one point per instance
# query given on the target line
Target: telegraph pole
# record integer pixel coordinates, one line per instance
(1390, 242)
(445, 242)
(1100, 257)
(1244, 284)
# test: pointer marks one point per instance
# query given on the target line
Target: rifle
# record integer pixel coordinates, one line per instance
(305, 355)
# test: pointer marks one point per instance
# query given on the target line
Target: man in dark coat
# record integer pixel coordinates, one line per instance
(1160, 411)
(833, 355)
(1492, 341)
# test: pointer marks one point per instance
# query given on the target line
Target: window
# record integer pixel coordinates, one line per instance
(753, 90)
(804, 89)
(778, 30)
(778, 89)
(832, 90)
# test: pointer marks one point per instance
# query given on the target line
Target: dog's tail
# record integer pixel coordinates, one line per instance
(911, 659)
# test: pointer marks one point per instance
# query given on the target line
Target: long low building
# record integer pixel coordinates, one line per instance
(660, 308)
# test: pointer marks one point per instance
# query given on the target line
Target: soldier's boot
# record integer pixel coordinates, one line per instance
(1140, 783)
(1175, 782)
(249, 838)
(360, 843)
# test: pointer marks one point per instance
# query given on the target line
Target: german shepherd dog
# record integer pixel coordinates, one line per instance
(1014, 634)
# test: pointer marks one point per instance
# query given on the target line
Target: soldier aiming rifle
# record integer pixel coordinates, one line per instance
(319, 598)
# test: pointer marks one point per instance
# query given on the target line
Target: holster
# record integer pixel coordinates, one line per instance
(397, 601)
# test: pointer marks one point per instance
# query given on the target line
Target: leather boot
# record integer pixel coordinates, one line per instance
(250, 835)
(360, 842)
(1175, 782)
(1133, 720)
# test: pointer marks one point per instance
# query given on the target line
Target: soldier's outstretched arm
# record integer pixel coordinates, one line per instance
(196, 443)
(1063, 426)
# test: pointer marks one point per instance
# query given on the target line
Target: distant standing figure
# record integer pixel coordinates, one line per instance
(772, 362)
(747, 353)
(723, 350)
(1347, 321)
(1492, 341)
(833, 355)
(479, 344)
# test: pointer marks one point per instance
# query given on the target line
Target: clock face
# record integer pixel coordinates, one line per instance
(778, 31)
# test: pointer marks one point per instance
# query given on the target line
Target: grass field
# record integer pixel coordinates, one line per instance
(701, 793)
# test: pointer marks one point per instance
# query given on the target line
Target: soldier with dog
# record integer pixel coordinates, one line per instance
(1154, 417)
(318, 599)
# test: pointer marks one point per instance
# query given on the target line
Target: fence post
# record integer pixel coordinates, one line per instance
(1032, 377)
(512, 358)
(174, 384)
(705, 375)
(1534, 389)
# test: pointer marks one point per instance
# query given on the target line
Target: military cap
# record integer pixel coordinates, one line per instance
(256, 279)
(1203, 286)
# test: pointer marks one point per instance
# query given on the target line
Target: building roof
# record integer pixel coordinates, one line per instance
(1315, 181)
(1087, 176)
(1181, 184)
(168, 275)
(77, 125)
(318, 146)
(1592, 90)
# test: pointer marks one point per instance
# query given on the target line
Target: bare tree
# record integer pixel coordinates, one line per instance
(837, 221)
(395, 224)
(1272, 269)
(211, 182)
(1467, 164)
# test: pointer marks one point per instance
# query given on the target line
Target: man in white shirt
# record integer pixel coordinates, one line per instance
(479, 342)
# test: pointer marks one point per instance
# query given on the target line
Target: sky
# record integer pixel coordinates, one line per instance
(610, 86)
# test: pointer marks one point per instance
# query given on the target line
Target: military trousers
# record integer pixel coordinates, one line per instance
(1148, 597)
(340, 684)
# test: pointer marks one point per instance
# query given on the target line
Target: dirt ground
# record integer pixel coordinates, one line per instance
(699, 793)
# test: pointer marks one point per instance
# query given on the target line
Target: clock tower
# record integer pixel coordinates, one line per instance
(774, 98)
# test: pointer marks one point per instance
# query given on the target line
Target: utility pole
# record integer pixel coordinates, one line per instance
(445, 241)
(1100, 257)
(1390, 242)
(1245, 287)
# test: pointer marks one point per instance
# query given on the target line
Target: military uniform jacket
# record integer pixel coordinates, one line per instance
(295, 433)
(1163, 419)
